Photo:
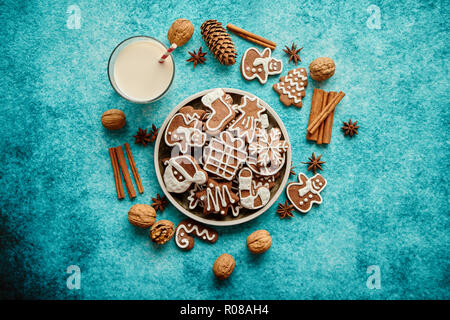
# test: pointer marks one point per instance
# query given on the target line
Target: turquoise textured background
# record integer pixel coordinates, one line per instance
(386, 202)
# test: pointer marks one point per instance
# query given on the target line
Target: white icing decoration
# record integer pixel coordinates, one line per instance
(172, 184)
(289, 80)
(208, 99)
(183, 242)
(308, 186)
(189, 132)
(264, 121)
(250, 122)
(267, 153)
(220, 194)
(264, 63)
(245, 184)
(226, 161)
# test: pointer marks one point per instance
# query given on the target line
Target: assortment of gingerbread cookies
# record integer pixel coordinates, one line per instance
(241, 154)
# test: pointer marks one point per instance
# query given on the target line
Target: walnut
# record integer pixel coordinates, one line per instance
(180, 32)
(259, 241)
(142, 215)
(322, 68)
(113, 119)
(162, 231)
(224, 266)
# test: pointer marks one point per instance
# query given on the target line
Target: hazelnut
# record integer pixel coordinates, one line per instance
(322, 68)
(224, 266)
(113, 119)
(180, 32)
(142, 215)
(259, 241)
(162, 231)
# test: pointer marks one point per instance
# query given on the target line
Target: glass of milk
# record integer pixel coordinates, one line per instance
(134, 70)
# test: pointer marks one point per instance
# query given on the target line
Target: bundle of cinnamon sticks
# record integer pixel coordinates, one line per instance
(251, 37)
(119, 164)
(321, 116)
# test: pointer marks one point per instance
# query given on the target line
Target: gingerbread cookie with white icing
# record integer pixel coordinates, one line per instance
(217, 197)
(188, 228)
(266, 154)
(304, 193)
(181, 172)
(222, 112)
(255, 64)
(249, 119)
(224, 155)
(251, 195)
(291, 87)
(185, 129)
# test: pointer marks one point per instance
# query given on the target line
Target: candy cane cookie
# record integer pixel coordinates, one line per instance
(251, 197)
(189, 227)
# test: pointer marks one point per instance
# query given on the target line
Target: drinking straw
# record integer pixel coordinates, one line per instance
(172, 47)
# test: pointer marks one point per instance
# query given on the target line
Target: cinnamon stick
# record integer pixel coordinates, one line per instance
(117, 179)
(125, 173)
(322, 125)
(328, 123)
(316, 107)
(136, 176)
(251, 36)
(326, 112)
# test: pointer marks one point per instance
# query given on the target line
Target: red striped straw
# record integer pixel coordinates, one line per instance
(172, 47)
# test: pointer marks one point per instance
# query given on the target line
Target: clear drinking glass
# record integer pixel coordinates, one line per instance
(136, 78)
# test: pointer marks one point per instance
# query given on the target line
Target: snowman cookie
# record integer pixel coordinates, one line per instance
(304, 193)
(255, 64)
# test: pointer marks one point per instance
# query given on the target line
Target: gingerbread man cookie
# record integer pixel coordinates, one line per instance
(187, 228)
(255, 64)
(221, 108)
(185, 129)
(224, 155)
(181, 172)
(217, 197)
(249, 119)
(291, 87)
(252, 196)
(304, 193)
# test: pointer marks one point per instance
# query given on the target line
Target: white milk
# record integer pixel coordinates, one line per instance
(137, 72)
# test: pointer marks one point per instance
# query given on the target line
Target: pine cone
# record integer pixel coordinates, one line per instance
(219, 42)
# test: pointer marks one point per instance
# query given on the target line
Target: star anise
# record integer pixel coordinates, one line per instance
(197, 57)
(314, 163)
(159, 203)
(154, 133)
(292, 172)
(293, 53)
(285, 210)
(350, 128)
(142, 137)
